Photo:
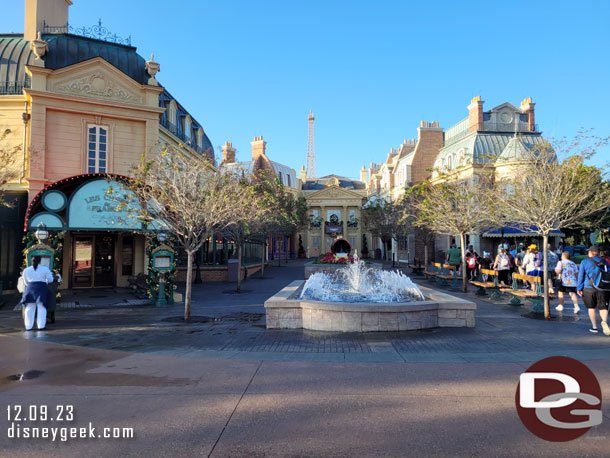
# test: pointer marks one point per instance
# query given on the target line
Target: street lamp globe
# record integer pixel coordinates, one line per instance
(162, 236)
(42, 234)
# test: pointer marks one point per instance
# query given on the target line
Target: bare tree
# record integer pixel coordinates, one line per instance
(8, 171)
(552, 188)
(188, 198)
(456, 207)
(384, 219)
(241, 219)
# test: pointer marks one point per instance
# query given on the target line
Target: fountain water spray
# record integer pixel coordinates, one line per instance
(358, 283)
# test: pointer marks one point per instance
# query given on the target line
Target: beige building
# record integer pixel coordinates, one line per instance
(334, 204)
(82, 109)
(485, 142)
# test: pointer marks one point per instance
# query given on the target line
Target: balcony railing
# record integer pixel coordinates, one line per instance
(519, 126)
(352, 224)
(97, 31)
(178, 132)
(13, 87)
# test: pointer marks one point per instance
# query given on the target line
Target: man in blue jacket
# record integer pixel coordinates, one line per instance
(592, 297)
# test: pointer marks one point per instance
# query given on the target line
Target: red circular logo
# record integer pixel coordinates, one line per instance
(559, 399)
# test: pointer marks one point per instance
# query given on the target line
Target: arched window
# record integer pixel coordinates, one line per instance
(172, 112)
(449, 162)
(199, 137)
(187, 127)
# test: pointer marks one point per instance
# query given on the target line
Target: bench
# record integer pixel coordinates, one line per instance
(485, 285)
(441, 273)
(416, 267)
(432, 271)
(534, 296)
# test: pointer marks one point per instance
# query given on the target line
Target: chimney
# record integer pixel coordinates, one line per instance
(527, 107)
(475, 114)
(228, 153)
(39, 12)
(258, 147)
(429, 142)
(363, 174)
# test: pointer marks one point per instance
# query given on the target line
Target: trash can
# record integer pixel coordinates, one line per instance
(232, 273)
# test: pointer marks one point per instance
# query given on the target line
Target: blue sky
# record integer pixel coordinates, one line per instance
(370, 71)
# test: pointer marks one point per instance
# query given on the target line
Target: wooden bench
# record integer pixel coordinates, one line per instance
(485, 285)
(534, 296)
(416, 267)
(432, 271)
(441, 273)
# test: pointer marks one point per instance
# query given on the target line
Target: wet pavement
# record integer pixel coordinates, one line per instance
(224, 386)
(225, 324)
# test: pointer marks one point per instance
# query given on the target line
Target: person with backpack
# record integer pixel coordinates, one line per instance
(472, 264)
(567, 278)
(532, 262)
(594, 288)
(502, 265)
(36, 295)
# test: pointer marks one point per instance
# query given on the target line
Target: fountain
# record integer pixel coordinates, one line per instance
(357, 298)
(357, 283)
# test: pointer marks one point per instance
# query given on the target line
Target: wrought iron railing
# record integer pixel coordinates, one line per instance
(97, 31)
(352, 224)
(178, 132)
(509, 126)
(13, 87)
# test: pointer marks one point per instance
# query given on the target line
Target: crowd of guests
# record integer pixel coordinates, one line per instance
(564, 275)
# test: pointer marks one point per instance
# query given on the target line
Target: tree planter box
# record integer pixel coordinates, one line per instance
(311, 268)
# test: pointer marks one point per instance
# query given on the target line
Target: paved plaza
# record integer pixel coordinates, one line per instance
(223, 385)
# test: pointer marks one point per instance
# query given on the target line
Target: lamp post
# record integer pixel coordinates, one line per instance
(161, 301)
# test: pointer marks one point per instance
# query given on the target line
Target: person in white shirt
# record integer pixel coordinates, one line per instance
(36, 294)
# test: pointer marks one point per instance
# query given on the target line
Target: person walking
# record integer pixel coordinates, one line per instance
(552, 261)
(502, 265)
(593, 298)
(567, 279)
(471, 266)
(532, 262)
(454, 257)
(36, 295)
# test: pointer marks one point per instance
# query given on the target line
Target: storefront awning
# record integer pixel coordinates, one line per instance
(511, 232)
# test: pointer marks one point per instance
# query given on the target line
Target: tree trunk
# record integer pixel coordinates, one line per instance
(463, 248)
(239, 244)
(545, 264)
(425, 256)
(279, 255)
(263, 259)
(189, 280)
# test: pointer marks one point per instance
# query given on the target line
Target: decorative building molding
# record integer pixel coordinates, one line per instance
(152, 68)
(97, 84)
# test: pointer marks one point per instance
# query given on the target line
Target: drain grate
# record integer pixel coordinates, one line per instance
(29, 375)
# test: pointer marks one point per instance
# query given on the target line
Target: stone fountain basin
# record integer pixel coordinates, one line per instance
(285, 310)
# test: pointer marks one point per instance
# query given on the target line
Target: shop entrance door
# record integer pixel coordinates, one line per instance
(104, 261)
(93, 261)
(82, 264)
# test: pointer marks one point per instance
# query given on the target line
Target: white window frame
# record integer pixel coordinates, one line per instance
(187, 127)
(99, 148)
(172, 112)
(200, 138)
